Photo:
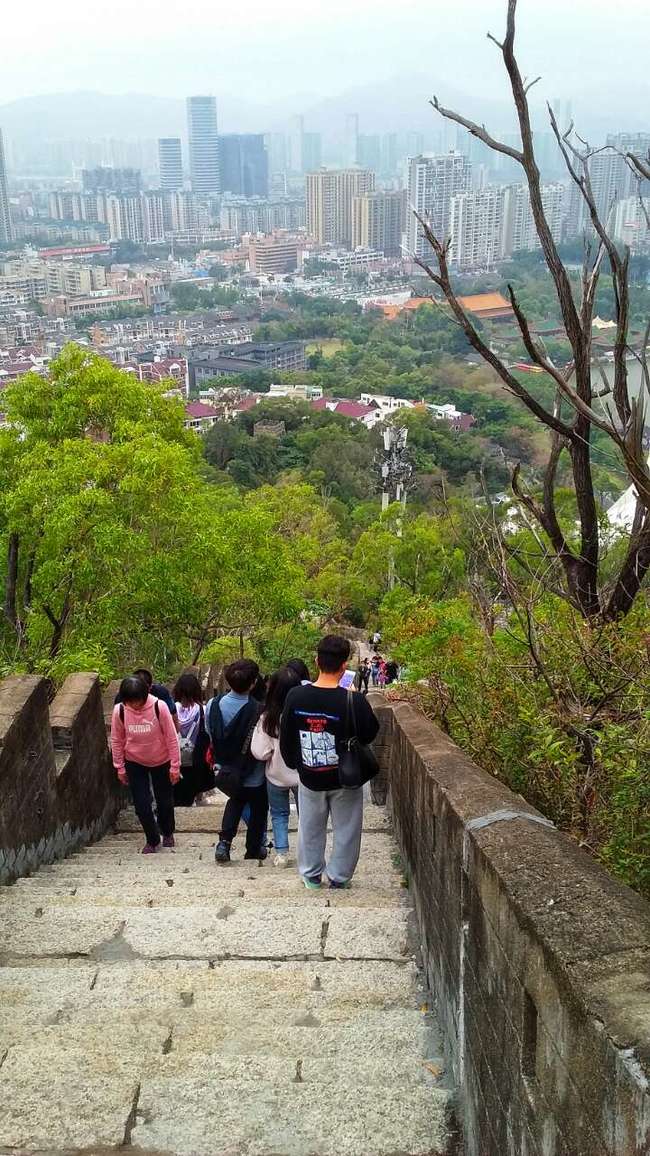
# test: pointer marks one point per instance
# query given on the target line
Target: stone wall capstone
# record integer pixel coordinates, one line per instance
(539, 960)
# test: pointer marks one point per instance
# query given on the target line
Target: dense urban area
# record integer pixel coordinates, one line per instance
(235, 409)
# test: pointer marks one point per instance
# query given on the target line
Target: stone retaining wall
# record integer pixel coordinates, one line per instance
(58, 788)
(540, 961)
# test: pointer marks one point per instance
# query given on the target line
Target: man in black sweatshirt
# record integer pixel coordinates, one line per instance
(314, 723)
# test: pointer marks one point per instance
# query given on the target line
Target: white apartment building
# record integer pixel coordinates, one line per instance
(630, 225)
(477, 228)
(521, 232)
(432, 183)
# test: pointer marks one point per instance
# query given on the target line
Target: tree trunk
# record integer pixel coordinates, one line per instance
(11, 582)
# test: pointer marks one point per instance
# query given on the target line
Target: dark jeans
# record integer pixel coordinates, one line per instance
(257, 800)
(141, 781)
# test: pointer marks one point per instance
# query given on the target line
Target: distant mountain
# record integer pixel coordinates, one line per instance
(398, 104)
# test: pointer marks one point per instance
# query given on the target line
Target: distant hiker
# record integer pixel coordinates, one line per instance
(196, 776)
(375, 640)
(281, 781)
(312, 731)
(300, 668)
(375, 664)
(381, 677)
(363, 676)
(392, 671)
(230, 722)
(157, 689)
(146, 755)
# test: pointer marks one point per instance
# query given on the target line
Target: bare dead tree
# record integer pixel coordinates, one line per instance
(573, 417)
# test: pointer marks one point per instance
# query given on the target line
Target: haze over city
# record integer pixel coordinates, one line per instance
(265, 63)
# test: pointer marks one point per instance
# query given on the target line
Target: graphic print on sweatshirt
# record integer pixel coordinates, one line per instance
(317, 744)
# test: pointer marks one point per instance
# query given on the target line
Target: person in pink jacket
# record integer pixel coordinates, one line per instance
(146, 755)
(265, 745)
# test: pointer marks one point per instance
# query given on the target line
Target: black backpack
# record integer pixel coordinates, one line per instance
(230, 746)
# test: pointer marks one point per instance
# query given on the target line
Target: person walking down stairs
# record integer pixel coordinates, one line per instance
(281, 781)
(313, 729)
(230, 720)
(146, 756)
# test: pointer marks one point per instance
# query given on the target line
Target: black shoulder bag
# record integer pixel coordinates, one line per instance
(357, 763)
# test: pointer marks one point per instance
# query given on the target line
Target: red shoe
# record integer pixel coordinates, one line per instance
(148, 849)
(168, 841)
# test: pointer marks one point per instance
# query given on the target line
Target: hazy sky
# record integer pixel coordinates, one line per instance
(290, 50)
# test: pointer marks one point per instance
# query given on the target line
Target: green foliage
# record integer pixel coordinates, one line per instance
(125, 553)
(568, 729)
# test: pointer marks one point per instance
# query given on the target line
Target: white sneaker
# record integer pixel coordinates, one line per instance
(281, 860)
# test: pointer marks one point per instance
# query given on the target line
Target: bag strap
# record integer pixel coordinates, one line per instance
(155, 707)
(249, 733)
(350, 716)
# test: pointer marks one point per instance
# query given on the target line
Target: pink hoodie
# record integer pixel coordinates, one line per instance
(144, 738)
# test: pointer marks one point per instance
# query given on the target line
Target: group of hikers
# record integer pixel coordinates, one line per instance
(263, 743)
(378, 670)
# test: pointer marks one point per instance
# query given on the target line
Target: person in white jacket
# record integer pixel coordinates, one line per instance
(281, 781)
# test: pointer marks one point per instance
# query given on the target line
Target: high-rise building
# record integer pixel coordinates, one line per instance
(432, 182)
(170, 163)
(6, 230)
(369, 151)
(276, 147)
(378, 222)
(478, 227)
(296, 143)
(520, 228)
(135, 217)
(389, 153)
(631, 223)
(312, 151)
(203, 143)
(105, 179)
(351, 154)
(329, 196)
(244, 164)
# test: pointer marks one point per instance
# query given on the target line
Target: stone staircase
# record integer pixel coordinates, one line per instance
(162, 1004)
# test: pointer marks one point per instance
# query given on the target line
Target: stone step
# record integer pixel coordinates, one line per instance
(251, 930)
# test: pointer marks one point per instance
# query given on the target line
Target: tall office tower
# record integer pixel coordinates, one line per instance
(477, 226)
(296, 143)
(312, 151)
(389, 153)
(432, 182)
(204, 144)
(276, 147)
(244, 164)
(378, 222)
(351, 153)
(329, 196)
(6, 231)
(170, 163)
(520, 231)
(369, 152)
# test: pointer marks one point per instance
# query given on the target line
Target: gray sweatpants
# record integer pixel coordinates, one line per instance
(346, 809)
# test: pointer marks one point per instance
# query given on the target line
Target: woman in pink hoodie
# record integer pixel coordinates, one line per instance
(146, 755)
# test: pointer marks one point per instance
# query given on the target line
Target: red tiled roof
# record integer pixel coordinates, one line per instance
(199, 409)
(354, 409)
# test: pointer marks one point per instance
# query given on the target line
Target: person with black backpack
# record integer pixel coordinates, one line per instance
(230, 720)
(146, 756)
(324, 734)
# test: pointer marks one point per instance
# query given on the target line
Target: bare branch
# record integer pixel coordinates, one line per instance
(477, 130)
